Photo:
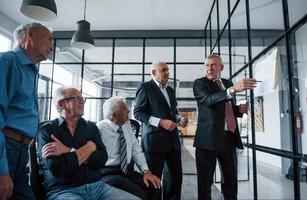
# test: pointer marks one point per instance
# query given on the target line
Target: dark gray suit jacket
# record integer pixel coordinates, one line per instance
(211, 114)
(151, 102)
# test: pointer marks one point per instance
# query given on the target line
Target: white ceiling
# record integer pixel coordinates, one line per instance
(159, 14)
(122, 14)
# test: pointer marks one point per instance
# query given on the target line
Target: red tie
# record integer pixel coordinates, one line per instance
(230, 117)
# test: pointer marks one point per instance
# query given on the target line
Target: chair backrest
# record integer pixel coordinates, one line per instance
(36, 177)
(136, 127)
(36, 170)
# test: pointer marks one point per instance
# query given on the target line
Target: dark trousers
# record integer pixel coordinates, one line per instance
(206, 163)
(168, 163)
(131, 182)
(17, 156)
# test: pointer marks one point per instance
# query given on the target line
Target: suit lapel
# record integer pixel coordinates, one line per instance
(158, 92)
(211, 85)
(170, 95)
(225, 82)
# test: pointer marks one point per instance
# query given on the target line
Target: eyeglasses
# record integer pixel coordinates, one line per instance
(80, 99)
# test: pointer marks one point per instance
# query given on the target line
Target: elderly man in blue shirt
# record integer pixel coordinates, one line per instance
(19, 107)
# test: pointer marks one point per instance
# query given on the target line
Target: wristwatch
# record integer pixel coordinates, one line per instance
(146, 171)
(72, 149)
(232, 91)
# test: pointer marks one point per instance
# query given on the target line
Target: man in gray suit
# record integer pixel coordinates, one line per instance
(217, 135)
(156, 107)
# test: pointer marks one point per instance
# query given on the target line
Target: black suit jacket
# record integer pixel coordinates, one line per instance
(151, 102)
(211, 118)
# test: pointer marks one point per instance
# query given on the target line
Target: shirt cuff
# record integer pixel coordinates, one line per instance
(144, 168)
(229, 96)
(154, 121)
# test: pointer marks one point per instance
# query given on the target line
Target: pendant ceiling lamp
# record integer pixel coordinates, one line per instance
(82, 38)
(41, 10)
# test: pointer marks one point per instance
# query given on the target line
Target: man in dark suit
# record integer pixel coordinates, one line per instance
(156, 108)
(217, 135)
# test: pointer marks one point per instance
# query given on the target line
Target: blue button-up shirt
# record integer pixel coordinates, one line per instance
(18, 98)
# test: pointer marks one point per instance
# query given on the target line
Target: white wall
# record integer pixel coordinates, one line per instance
(301, 50)
(7, 25)
(271, 135)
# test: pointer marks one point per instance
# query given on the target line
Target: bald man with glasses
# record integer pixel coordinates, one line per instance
(79, 99)
(73, 153)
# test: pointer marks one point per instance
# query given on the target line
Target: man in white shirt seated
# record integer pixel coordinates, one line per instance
(123, 150)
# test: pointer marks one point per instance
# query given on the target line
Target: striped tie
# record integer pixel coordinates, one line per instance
(123, 151)
(230, 117)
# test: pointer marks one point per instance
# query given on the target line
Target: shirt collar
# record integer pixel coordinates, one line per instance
(219, 80)
(160, 85)
(61, 121)
(22, 56)
(113, 126)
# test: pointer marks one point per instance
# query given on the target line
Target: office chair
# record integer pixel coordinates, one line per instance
(36, 170)
(36, 177)
(135, 125)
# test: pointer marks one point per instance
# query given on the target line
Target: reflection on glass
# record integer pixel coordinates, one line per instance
(188, 109)
(63, 75)
(128, 50)
(297, 9)
(159, 50)
(223, 13)
(300, 84)
(266, 15)
(65, 53)
(100, 76)
(214, 25)
(190, 54)
(271, 177)
(43, 106)
(5, 43)
(265, 71)
(185, 79)
(271, 101)
(93, 109)
(303, 185)
(101, 53)
(126, 85)
(45, 70)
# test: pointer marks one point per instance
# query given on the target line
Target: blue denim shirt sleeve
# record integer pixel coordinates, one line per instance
(9, 79)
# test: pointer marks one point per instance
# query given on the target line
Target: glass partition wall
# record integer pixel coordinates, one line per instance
(266, 40)
(263, 39)
(117, 66)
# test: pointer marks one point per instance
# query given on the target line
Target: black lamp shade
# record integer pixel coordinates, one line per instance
(82, 38)
(42, 10)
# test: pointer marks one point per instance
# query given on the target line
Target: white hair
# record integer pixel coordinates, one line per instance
(112, 105)
(214, 56)
(59, 94)
(155, 65)
(20, 31)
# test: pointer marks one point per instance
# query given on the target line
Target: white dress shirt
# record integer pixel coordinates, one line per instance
(229, 96)
(110, 138)
(154, 121)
